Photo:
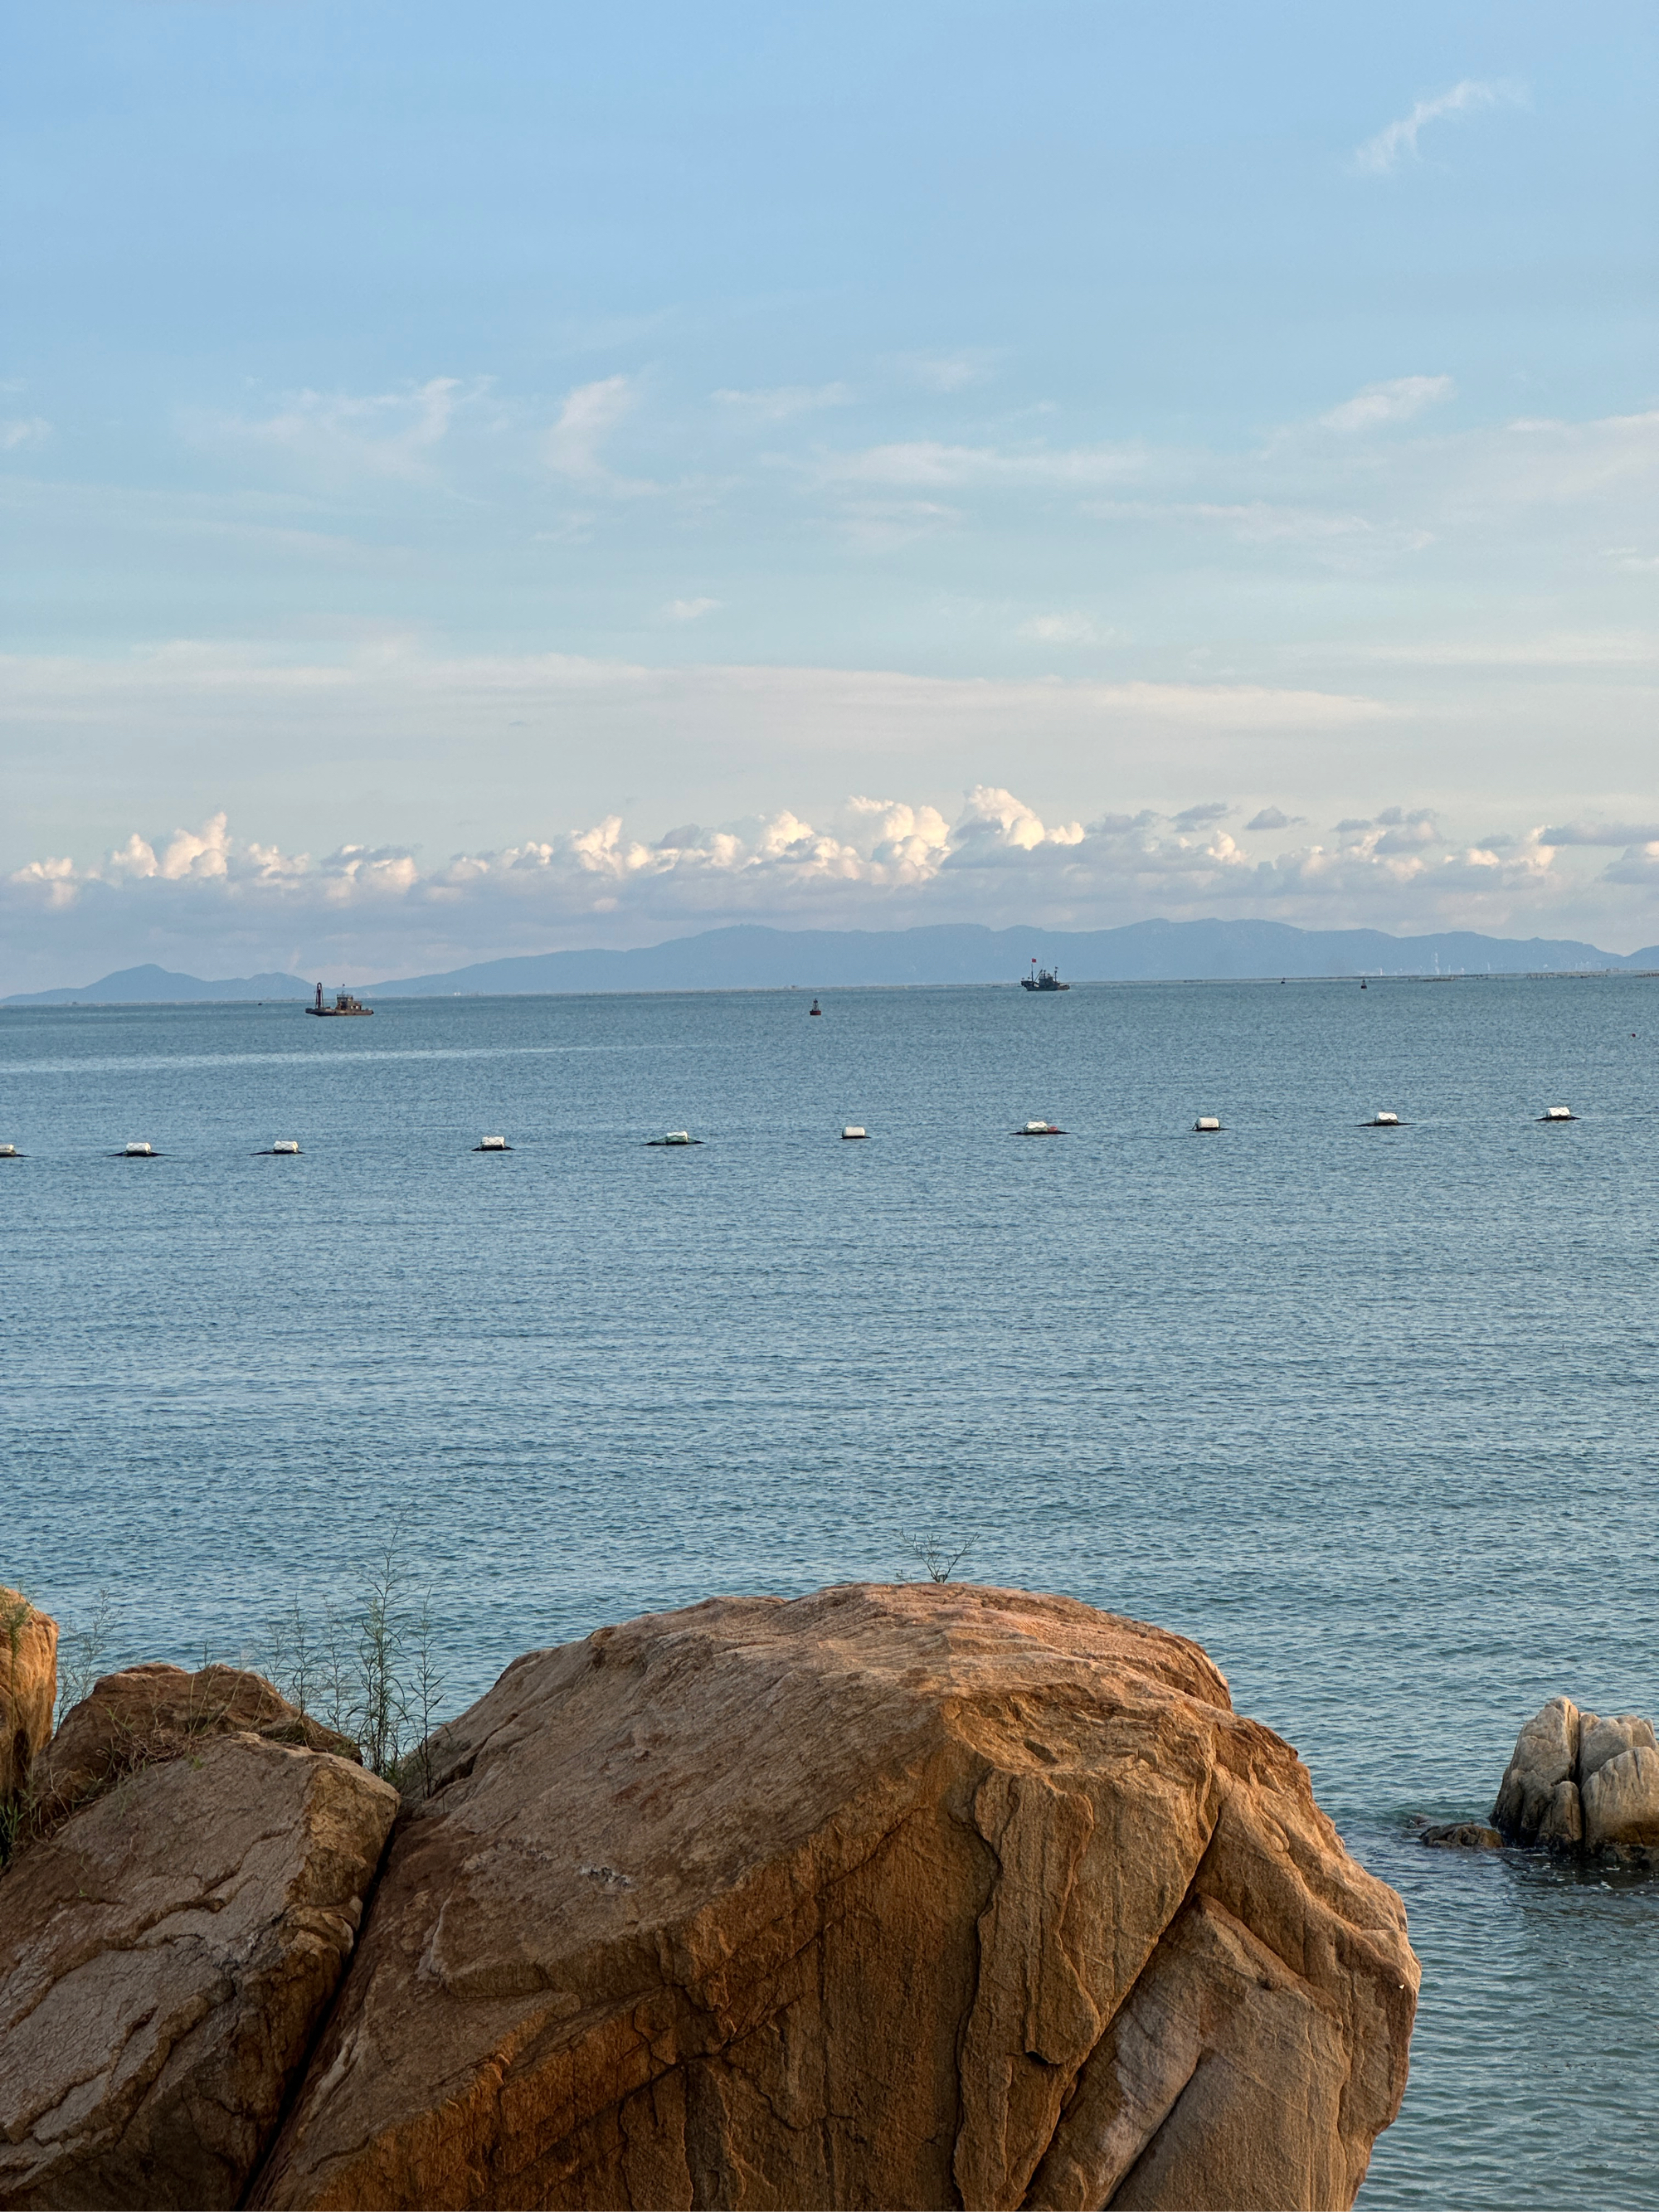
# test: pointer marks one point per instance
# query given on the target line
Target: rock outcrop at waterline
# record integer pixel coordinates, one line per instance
(1578, 1783)
(173, 1926)
(28, 1688)
(925, 1895)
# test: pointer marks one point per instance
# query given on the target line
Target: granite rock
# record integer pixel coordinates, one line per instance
(167, 1953)
(1621, 1801)
(915, 1895)
(28, 1688)
(146, 1716)
(1546, 1755)
(1599, 1740)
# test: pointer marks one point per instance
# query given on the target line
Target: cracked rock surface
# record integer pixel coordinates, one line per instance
(915, 1895)
(168, 1948)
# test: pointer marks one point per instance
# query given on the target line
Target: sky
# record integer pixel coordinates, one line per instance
(488, 480)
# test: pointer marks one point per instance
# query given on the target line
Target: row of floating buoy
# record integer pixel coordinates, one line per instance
(1207, 1125)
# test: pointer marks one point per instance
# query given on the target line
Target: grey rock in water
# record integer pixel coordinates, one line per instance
(1621, 1801)
(1546, 1755)
(1583, 1785)
(1599, 1740)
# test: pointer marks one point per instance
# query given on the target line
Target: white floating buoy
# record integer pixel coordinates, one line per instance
(137, 1149)
(853, 1130)
(1384, 1121)
(284, 1144)
(1205, 1123)
(492, 1144)
(1557, 1114)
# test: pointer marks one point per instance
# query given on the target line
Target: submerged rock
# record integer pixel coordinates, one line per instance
(28, 1689)
(170, 1937)
(922, 1895)
(1463, 1836)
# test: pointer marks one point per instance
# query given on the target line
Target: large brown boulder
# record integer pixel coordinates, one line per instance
(170, 1939)
(898, 1896)
(28, 1688)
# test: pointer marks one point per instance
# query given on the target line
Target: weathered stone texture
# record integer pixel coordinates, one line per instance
(168, 1948)
(889, 1896)
(28, 1688)
(1577, 1782)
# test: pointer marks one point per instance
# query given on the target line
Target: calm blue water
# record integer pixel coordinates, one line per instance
(1370, 1415)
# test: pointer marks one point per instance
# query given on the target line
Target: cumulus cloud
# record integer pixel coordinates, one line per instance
(1380, 156)
(875, 862)
(1395, 401)
(1274, 817)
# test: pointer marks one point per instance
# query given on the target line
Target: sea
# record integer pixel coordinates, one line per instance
(1369, 1413)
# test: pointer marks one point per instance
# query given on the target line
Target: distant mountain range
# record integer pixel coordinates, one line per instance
(153, 986)
(748, 956)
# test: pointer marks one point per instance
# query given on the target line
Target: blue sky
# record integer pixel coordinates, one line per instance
(484, 480)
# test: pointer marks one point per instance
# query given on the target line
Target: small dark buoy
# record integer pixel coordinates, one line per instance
(1362, 982)
(815, 1008)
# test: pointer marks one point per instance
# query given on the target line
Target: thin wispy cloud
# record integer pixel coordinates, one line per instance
(1069, 629)
(926, 463)
(1397, 400)
(948, 372)
(17, 431)
(689, 610)
(341, 434)
(574, 447)
(782, 402)
(1397, 141)
(1602, 833)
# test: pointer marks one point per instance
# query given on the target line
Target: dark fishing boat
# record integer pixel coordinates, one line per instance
(344, 1004)
(1043, 979)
